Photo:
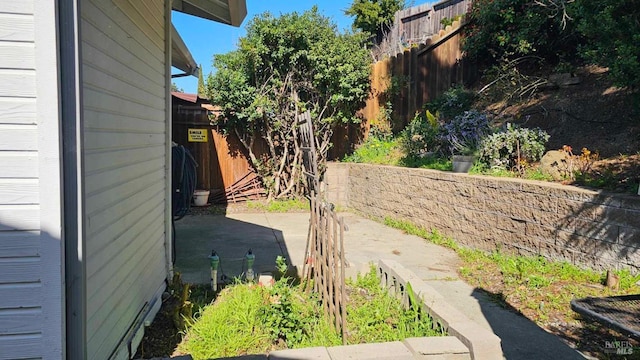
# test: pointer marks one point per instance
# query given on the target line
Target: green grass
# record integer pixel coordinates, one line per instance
(229, 327)
(391, 152)
(279, 206)
(377, 316)
(427, 162)
(249, 319)
(530, 173)
(532, 270)
(534, 285)
(432, 235)
(378, 151)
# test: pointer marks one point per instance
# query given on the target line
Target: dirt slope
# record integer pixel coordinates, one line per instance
(592, 114)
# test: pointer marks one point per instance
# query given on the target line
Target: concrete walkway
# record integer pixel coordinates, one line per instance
(270, 235)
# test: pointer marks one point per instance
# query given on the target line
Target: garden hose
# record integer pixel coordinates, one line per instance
(183, 177)
(184, 180)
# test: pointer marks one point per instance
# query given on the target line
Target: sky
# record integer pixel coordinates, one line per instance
(204, 38)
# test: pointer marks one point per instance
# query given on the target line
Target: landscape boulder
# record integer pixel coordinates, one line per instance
(554, 163)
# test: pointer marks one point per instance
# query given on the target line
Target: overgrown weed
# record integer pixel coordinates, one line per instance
(378, 150)
(537, 287)
(250, 319)
(279, 205)
(377, 316)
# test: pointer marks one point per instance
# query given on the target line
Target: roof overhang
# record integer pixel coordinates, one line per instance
(181, 57)
(231, 12)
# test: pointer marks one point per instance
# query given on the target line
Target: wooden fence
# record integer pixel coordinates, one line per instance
(416, 24)
(223, 165)
(420, 73)
(326, 262)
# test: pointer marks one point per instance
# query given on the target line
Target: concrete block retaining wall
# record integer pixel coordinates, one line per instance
(584, 227)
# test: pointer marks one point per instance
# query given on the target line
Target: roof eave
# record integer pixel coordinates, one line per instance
(231, 12)
(181, 57)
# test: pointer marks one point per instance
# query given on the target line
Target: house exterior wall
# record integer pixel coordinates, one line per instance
(31, 293)
(125, 138)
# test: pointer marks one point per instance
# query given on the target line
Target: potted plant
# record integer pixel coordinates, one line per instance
(464, 154)
(463, 135)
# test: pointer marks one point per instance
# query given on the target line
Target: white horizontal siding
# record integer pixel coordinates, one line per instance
(116, 251)
(25, 346)
(127, 291)
(19, 270)
(119, 123)
(119, 105)
(141, 162)
(16, 7)
(109, 139)
(130, 37)
(19, 217)
(17, 27)
(20, 243)
(18, 165)
(124, 156)
(14, 244)
(131, 193)
(17, 55)
(19, 192)
(100, 50)
(115, 84)
(17, 83)
(20, 321)
(18, 111)
(21, 295)
(141, 76)
(18, 137)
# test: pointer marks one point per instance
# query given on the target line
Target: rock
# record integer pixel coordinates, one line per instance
(266, 280)
(554, 163)
(564, 79)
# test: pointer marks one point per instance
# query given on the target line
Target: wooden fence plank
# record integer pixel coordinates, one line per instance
(430, 69)
(328, 262)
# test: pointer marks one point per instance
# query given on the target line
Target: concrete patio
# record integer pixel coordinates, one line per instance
(269, 235)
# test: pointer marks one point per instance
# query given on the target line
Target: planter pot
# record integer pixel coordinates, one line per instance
(462, 163)
(200, 197)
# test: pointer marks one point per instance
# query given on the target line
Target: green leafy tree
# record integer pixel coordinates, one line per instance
(373, 16)
(175, 88)
(510, 29)
(612, 32)
(202, 90)
(284, 66)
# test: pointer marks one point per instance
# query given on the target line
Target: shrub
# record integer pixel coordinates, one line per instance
(381, 125)
(464, 133)
(453, 102)
(285, 318)
(514, 28)
(372, 16)
(421, 136)
(612, 31)
(513, 147)
(377, 151)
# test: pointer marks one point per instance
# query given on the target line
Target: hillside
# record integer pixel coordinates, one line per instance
(590, 114)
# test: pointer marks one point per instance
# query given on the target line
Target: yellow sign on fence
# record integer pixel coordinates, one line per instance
(198, 135)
